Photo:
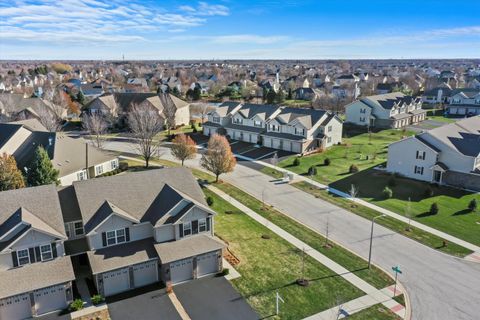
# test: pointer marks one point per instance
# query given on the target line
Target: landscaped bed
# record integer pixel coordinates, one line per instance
(373, 313)
(270, 264)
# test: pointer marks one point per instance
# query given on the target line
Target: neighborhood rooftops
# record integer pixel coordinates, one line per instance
(307, 117)
(387, 100)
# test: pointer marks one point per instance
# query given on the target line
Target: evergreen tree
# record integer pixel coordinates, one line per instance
(10, 176)
(196, 94)
(41, 171)
(290, 94)
(175, 92)
(271, 95)
(81, 97)
(280, 97)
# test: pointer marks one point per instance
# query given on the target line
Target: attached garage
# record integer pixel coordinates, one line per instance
(287, 145)
(296, 147)
(50, 299)
(16, 307)
(207, 263)
(276, 144)
(145, 273)
(181, 270)
(267, 142)
(115, 281)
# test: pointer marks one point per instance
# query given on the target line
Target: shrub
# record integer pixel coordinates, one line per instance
(429, 192)
(97, 299)
(434, 208)
(123, 166)
(194, 129)
(472, 205)
(353, 169)
(296, 162)
(326, 161)
(76, 305)
(312, 171)
(387, 193)
(224, 272)
(209, 201)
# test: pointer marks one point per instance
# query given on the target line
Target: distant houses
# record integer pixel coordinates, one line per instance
(283, 128)
(464, 102)
(391, 110)
(446, 155)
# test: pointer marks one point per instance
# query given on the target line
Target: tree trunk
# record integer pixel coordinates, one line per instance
(216, 178)
(147, 160)
(183, 161)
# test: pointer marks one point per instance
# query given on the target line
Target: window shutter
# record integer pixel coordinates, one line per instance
(37, 254)
(104, 239)
(14, 259)
(180, 228)
(417, 155)
(195, 227)
(127, 234)
(31, 252)
(54, 250)
(208, 223)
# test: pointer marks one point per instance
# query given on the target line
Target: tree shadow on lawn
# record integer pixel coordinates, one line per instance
(425, 214)
(461, 212)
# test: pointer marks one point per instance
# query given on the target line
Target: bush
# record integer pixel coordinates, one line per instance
(353, 169)
(97, 299)
(312, 171)
(194, 129)
(123, 166)
(387, 193)
(429, 192)
(209, 201)
(472, 206)
(326, 162)
(76, 305)
(296, 162)
(434, 208)
(224, 272)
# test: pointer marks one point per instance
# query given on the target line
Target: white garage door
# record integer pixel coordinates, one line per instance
(116, 281)
(181, 270)
(287, 146)
(50, 299)
(15, 308)
(296, 147)
(275, 144)
(207, 264)
(145, 273)
(267, 143)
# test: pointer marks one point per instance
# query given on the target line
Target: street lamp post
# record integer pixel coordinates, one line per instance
(371, 240)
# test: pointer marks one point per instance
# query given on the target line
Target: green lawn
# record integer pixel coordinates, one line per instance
(373, 313)
(388, 222)
(437, 115)
(359, 148)
(296, 103)
(453, 218)
(347, 259)
(272, 265)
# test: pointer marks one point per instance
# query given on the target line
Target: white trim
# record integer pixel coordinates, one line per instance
(11, 230)
(28, 255)
(41, 253)
(28, 231)
(131, 219)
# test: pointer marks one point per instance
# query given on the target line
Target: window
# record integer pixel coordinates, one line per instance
(81, 176)
(78, 226)
(202, 225)
(111, 238)
(362, 119)
(99, 169)
(329, 128)
(237, 121)
(329, 139)
(363, 110)
(115, 237)
(299, 131)
(257, 124)
(418, 170)
(421, 155)
(216, 119)
(114, 164)
(120, 235)
(274, 128)
(23, 257)
(46, 252)
(187, 229)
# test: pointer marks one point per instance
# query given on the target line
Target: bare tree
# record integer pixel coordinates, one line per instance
(48, 119)
(169, 110)
(219, 157)
(183, 148)
(96, 125)
(145, 124)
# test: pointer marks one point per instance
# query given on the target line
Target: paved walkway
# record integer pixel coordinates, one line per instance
(178, 306)
(375, 296)
(381, 210)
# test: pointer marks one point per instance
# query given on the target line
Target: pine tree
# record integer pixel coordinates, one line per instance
(41, 171)
(271, 95)
(10, 176)
(81, 98)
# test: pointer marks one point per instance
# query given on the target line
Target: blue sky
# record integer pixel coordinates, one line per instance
(272, 29)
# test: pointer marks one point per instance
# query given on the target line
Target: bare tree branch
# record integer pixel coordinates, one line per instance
(96, 125)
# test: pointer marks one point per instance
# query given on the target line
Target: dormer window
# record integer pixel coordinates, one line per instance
(216, 119)
(202, 225)
(237, 121)
(257, 123)
(23, 257)
(187, 228)
(46, 252)
(115, 237)
(299, 131)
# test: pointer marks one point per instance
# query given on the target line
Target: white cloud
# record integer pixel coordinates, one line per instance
(205, 9)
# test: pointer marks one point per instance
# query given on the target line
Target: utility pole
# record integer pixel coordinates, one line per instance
(371, 240)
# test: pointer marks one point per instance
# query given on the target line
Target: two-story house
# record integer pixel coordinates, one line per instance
(446, 155)
(302, 130)
(155, 226)
(75, 159)
(35, 275)
(464, 102)
(390, 110)
(290, 129)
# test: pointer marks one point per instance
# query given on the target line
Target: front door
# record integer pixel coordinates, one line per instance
(437, 176)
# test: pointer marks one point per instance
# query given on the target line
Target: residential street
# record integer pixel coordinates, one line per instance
(440, 286)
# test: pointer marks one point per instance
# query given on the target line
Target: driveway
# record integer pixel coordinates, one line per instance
(426, 125)
(213, 299)
(152, 305)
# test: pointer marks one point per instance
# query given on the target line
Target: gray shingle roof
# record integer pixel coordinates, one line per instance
(387, 100)
(123, 255)
(307, 117)
(36, 276)
(185, 248)
(264, 111)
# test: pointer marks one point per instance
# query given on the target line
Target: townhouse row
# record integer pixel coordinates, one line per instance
(290, 129)
(119, 233)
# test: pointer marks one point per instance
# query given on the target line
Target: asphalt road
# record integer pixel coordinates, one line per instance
(440, 286)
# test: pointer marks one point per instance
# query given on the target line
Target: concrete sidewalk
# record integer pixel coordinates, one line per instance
(381, 210)
(375, 296)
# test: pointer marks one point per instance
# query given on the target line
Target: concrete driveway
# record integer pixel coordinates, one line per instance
(148, 306)
(213, 299)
